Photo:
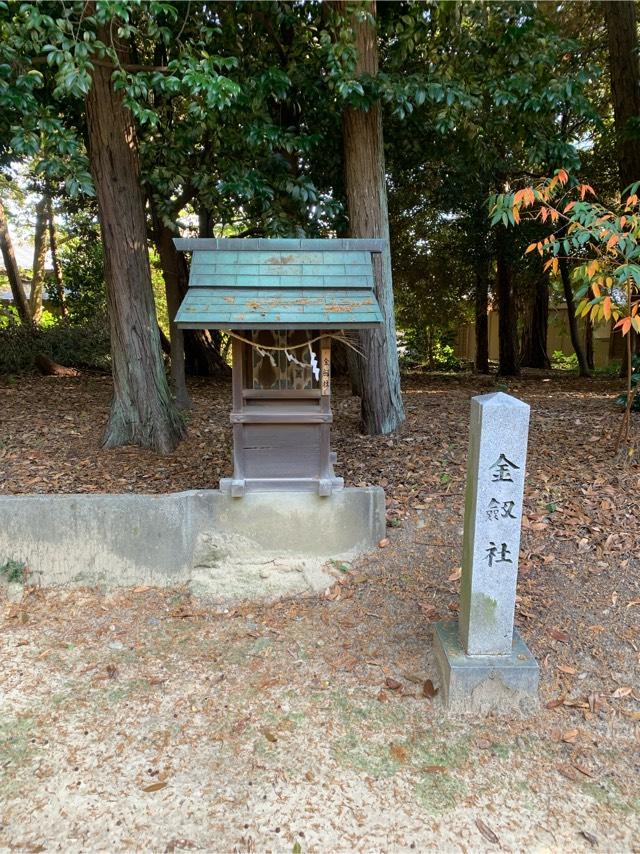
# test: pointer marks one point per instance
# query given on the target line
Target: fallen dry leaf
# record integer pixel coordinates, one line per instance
(392, 684)
(486, 831)
(590, 837)
(584, 770)
(399, 753)
(632, 714)
(384, 542)
(155, 787)
(621, 692)
(429, 690)
(270, 736)
(559, 635)
(569, 772)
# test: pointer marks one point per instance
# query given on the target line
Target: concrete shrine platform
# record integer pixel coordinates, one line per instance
(261, 546)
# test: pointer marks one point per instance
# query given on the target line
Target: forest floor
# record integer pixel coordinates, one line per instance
(145, 719)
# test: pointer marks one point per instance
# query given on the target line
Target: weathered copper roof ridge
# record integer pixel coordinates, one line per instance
(239, 244)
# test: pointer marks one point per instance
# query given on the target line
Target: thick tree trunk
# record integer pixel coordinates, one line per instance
(142, 410)
(202, 353)
(583, 367)
(534, 334)
(508, 323)
(55, 258)
(201, 347)
(365, 182)
(170, 261)
(622, 36)
(482, 317)
(12, 271)
(39, 252)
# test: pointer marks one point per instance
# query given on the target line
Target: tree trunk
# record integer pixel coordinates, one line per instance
(624, 68)
(365, 182)
(205, 224)
(142, 411)
(482, 317)
(507, 325)
(202, 353)
(583, 367)
(169, 261)
(55, 258)
(11, 268)
(39, 252)
(534, 334)
(588, 344)
(201, 347)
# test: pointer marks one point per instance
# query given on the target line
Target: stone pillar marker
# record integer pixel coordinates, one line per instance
(484, 664)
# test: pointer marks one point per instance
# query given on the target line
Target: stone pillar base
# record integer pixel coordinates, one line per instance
(485, 684)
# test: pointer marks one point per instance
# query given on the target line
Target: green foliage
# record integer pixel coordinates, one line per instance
(621, 400)
(562, 362)
(78, 346)
(13, 572)
(82, 262)
(159, 293)
(605, 241)
(9, 316)
(238, 108)
(427, 349)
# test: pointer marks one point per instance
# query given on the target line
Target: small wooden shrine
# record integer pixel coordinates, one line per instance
(282, 301)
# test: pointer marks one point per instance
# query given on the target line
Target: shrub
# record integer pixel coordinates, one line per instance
(76, 346)
(13, 572)
(432, 352)
(563, 362)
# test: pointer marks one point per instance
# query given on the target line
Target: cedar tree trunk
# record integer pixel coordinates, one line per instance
(39, 252)
(482, 317)
(169, 261)
(365, 183)
(622, 37)
(201, 347)
(624, 68)
(507, 324)
(534, 334)
(583, 367)
(11, 268)
(55, 258)
(142, 411)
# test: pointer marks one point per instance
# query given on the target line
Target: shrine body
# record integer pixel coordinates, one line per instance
(283, 302)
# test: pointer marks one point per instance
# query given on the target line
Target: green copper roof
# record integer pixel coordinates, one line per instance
(293, 284)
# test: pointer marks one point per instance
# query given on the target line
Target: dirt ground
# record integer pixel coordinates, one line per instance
(144, 719)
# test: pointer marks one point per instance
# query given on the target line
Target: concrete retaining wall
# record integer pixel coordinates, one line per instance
(261, 546)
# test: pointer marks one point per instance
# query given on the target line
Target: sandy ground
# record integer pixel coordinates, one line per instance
(145, 720)
(141, 721)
